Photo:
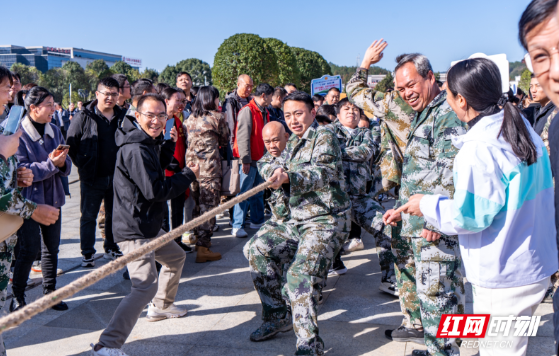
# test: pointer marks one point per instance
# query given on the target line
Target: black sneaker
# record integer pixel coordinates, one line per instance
(126, 275)
(88, 261)
(403, 334)
(60, 306)
(185, 247)
(112, 255)
(420, 353)
(17, 303)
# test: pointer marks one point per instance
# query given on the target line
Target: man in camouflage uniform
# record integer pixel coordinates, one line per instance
(358, 147)
(428, 169)
(319, 224)
(395, 117)
(205, 135)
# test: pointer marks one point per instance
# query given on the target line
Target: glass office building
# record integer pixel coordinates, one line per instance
(45, 58)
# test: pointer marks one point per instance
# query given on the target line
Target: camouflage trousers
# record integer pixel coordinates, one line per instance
(308, 250)
(206, 193)
(6, 256)
(440, 288)
(367, 213)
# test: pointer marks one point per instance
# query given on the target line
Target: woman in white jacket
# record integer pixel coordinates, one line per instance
(503, 208)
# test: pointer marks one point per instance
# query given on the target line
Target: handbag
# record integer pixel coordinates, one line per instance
(10, 224)
(230, 178)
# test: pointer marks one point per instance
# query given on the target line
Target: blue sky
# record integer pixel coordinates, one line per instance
(165, 32)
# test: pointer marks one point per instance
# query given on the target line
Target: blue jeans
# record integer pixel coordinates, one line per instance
(249, 181)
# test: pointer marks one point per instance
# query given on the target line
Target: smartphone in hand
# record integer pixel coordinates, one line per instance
(168, 127)
(13, 120)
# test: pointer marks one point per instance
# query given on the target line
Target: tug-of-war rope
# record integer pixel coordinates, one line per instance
(49, 300)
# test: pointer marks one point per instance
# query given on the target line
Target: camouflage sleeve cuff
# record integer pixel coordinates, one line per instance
(432, 228)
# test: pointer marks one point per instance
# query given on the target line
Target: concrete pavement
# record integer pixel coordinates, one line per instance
(223, 309)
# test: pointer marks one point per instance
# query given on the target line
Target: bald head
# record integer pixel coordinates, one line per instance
(275, 138)
(244, 85)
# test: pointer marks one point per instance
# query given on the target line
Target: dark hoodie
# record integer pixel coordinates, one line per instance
(140, 188)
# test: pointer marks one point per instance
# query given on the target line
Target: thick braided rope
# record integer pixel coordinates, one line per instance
(27, 312)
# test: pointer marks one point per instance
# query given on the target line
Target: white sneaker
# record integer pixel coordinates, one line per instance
(156, 314)
(112, 255)
(355, 245)
(240, 232)
(105, 351)
(255, 226)
(390, 286)
(189, 238)
(215, 228)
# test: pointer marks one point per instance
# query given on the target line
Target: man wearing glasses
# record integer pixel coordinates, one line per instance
(93, 150)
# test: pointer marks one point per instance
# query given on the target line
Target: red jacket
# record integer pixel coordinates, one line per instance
(180, 150)
(256, 142)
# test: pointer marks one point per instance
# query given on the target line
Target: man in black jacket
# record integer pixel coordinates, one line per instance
(539, 96)
(93, 150)
(141, 191)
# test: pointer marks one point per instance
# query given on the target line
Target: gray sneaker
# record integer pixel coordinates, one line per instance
(403, 334)
(269, 329)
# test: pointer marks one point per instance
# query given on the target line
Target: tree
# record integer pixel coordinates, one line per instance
(75, 98)
(28, 74)
(347, 72)
(525, 79)
(150, 74)
(199, 70)
(311, 65)
(244, 53)
(75, 75)
(287, 63)
(98, 68)
(516, 69)
(169, 75)
(387, 82)
(55, 81)
(126, 69)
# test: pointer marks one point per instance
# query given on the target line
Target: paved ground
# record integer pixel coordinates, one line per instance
(223, 309)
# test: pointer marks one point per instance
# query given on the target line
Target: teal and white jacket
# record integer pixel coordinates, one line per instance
(503, 209)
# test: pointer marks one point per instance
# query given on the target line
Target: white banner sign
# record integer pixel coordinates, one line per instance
(134, 62)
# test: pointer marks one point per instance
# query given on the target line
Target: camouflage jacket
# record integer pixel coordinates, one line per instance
(317, 187)
(205, 135)
(429, 158)
(545, 132)
(279, 200)
(11, 200)
(395, 117)
(357, 150)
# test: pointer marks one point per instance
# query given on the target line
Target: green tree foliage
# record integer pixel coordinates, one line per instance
(169, 75)
(311, 66)
(287, 63)
(387, 82)
(244, 54)
(151, 74)
(98, 68)
(516, 69)
(55, 81)
(75, 98)
(126, 69)
(199, 70)
(347, 72)
(75, 74)
(28, 74)
(525, 79)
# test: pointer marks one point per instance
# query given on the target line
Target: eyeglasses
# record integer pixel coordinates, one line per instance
(108, 95)
(151, 116)
(541, 59)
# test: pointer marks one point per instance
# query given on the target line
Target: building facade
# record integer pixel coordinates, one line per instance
(45, 58)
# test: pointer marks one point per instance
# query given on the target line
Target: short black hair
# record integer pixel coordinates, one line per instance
(279, 91)
(151, 96)
(5, 73)
(341, 103)
(180, 74)
(536, 13)
(169, 92)
(121, 79)
(141, 85)
(334, 88)
(291, 85)
(108, 82)
(16, 75)
(326, 110)
(160, 87)
(194, 90)
(300, 96)
(36, 96)
(317, 97)
(264, 88)
(323, 119)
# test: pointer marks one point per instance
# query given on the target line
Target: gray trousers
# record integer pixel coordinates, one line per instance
(145, 288)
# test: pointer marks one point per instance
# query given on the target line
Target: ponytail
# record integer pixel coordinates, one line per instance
(514, 131)
(478, 80)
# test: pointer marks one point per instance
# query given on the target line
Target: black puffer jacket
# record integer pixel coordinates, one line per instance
(140, 188)
(82, 138)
